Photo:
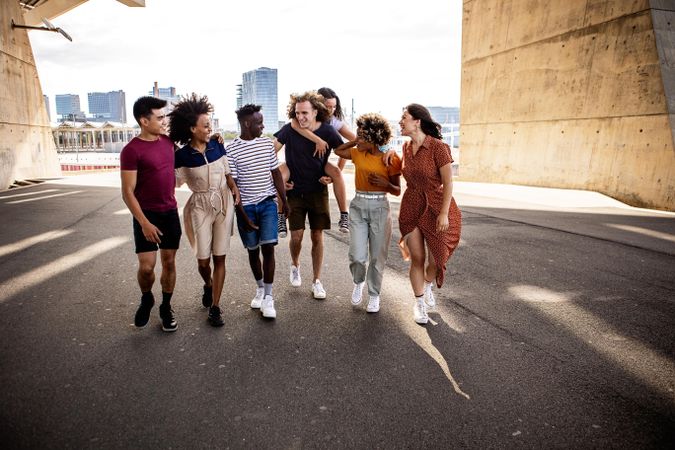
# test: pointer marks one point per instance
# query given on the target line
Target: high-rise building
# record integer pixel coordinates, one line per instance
(68, 107)
(168, 94)
(108, 106)
(49, 113)
(259, 87)
(239, 98)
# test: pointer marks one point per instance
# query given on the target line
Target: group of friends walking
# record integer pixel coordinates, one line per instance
(269, 198)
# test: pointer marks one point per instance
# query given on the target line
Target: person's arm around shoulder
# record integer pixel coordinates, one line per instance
(129, 178)
(345, 150)
(320, 144)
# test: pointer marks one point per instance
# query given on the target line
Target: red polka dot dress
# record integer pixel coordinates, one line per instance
(422, 201)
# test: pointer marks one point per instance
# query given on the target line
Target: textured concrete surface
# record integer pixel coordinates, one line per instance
(573, 94)
(554, 329)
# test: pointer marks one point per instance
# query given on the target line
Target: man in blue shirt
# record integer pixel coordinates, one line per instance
(306, 191)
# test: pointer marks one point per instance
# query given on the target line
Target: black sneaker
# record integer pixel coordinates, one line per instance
(281, 225)
(143, 312)
(343, 223)
(166, 314)
(215, 319)
(207, 296)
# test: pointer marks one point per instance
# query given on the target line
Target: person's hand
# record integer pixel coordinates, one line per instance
(442, 223)
(250, 226)
(378, 180)
(218, 137)
(285, 208)
(325, 180)
(321, 149)
(289, 185)
(388, 157)
(151, 233)
(235, 195)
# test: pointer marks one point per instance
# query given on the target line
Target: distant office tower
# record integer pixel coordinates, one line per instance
(444, 114)
(68, 107)
(239, 98)
(108, 106)
(259, 87)
(168, 94)
(49, 113)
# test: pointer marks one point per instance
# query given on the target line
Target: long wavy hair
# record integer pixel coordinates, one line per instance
(185, 115)
(314, 98)
(373, 128)
(429, 127)
(329, 93)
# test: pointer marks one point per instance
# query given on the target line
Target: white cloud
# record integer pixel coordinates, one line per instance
(384, 55)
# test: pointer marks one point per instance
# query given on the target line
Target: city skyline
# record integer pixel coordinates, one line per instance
(101, 106)
(384, 56)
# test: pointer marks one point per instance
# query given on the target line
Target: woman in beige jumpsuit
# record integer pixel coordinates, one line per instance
(209, 212)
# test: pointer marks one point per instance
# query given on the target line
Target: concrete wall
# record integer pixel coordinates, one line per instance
(26, 145)
(570, 94)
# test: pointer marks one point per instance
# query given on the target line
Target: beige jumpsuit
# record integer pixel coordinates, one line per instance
(209, 212)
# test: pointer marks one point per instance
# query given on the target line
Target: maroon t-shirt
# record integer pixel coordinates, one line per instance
(156, 180)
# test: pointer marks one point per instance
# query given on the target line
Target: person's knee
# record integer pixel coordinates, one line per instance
(146, 270)
(317, 237)
(203, 264)
(267, 250)
(219, 260)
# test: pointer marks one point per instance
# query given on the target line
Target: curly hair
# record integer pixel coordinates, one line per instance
(329, 93)
(185, 115)
(247, 110)
(427, 124)
(373, 128)
(315, 99)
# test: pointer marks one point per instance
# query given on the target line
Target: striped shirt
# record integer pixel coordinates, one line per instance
(251, 163)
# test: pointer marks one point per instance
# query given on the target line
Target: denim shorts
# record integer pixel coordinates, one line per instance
(264, 215)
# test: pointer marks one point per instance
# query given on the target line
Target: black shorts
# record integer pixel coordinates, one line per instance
(168, 223)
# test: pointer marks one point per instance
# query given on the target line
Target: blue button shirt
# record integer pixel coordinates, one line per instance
(189, 157)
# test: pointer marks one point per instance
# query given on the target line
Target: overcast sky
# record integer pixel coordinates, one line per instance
(383, 54)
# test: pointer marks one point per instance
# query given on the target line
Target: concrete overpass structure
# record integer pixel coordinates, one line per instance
(571, 94)
(559, 93)
(26, 144)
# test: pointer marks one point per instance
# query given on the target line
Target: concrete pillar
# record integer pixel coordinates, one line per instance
(571, 94)
(27, 147)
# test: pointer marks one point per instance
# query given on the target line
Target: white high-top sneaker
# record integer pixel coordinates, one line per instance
(429, 295)
(357, 293)
(420, 311)
(257, 300)
(373, 304)
(267, 307)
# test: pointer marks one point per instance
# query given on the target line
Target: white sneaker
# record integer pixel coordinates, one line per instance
(257, 300)
(267, 307)
(420, 311)
(356, 293)
(373, 304)
(318, 291)
(429, 296)
(295, 276)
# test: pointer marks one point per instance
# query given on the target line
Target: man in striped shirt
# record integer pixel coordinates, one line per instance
(255, 168)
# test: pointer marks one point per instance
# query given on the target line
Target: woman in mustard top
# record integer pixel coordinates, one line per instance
(370, 219)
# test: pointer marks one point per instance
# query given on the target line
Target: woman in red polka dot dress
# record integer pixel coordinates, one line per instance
(429, 218)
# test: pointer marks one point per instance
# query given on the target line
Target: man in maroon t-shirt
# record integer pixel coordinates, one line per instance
(148, 183)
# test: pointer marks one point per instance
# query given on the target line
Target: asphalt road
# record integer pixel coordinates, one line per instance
(555, 328)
